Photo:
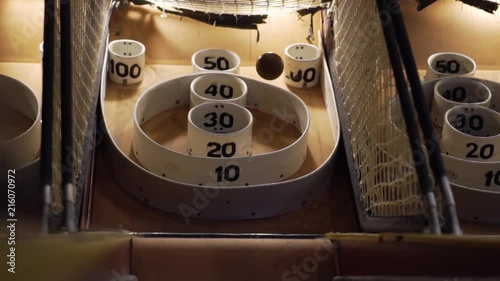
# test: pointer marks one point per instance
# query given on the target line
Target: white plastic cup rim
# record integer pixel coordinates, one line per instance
(476, 94)
(480, 85)
(231, 54)
(317, 52)
(22, 148)
(433, 57)
(235, 107)
(29, 97)
(135, 55)
(490, 112)
(213, 77)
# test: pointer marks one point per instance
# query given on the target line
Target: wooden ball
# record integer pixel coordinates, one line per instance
(269, 66)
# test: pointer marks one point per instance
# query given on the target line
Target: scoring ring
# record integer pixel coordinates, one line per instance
(23, 148)
(476, 174)
(190, 169)
(455, 91)
(218, 87)
(219, 130)
(448, 64)
(471, 133)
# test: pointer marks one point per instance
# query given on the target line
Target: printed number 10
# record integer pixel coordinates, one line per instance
(492, 178)
(231, 173)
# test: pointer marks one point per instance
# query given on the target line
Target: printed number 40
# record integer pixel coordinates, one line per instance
(223, 90)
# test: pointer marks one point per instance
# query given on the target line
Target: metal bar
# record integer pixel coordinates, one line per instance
(67, 118)
(86, 179)
(47, 114)
(410, 121)
(432, 145)
(226, 235)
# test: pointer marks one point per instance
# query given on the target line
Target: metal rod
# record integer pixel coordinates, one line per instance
(422, 4)
(226, 235)
(432, 145)
(67, 117)
(47, 114)
(410, 122)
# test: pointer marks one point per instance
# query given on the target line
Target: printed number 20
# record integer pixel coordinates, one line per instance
(225, 150)
(485, 152)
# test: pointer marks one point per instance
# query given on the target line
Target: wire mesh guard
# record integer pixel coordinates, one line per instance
(380, 149)
(89, 20)
(233, 7)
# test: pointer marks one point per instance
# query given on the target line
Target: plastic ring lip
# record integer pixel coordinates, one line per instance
(20, 150)
(218, 87)
(201, 170)
(215, 60)
(219, 130)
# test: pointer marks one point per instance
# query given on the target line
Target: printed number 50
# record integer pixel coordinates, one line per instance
(451, 66)
(221, 63)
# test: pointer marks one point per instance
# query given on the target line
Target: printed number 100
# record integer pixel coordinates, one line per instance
(123, 70)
